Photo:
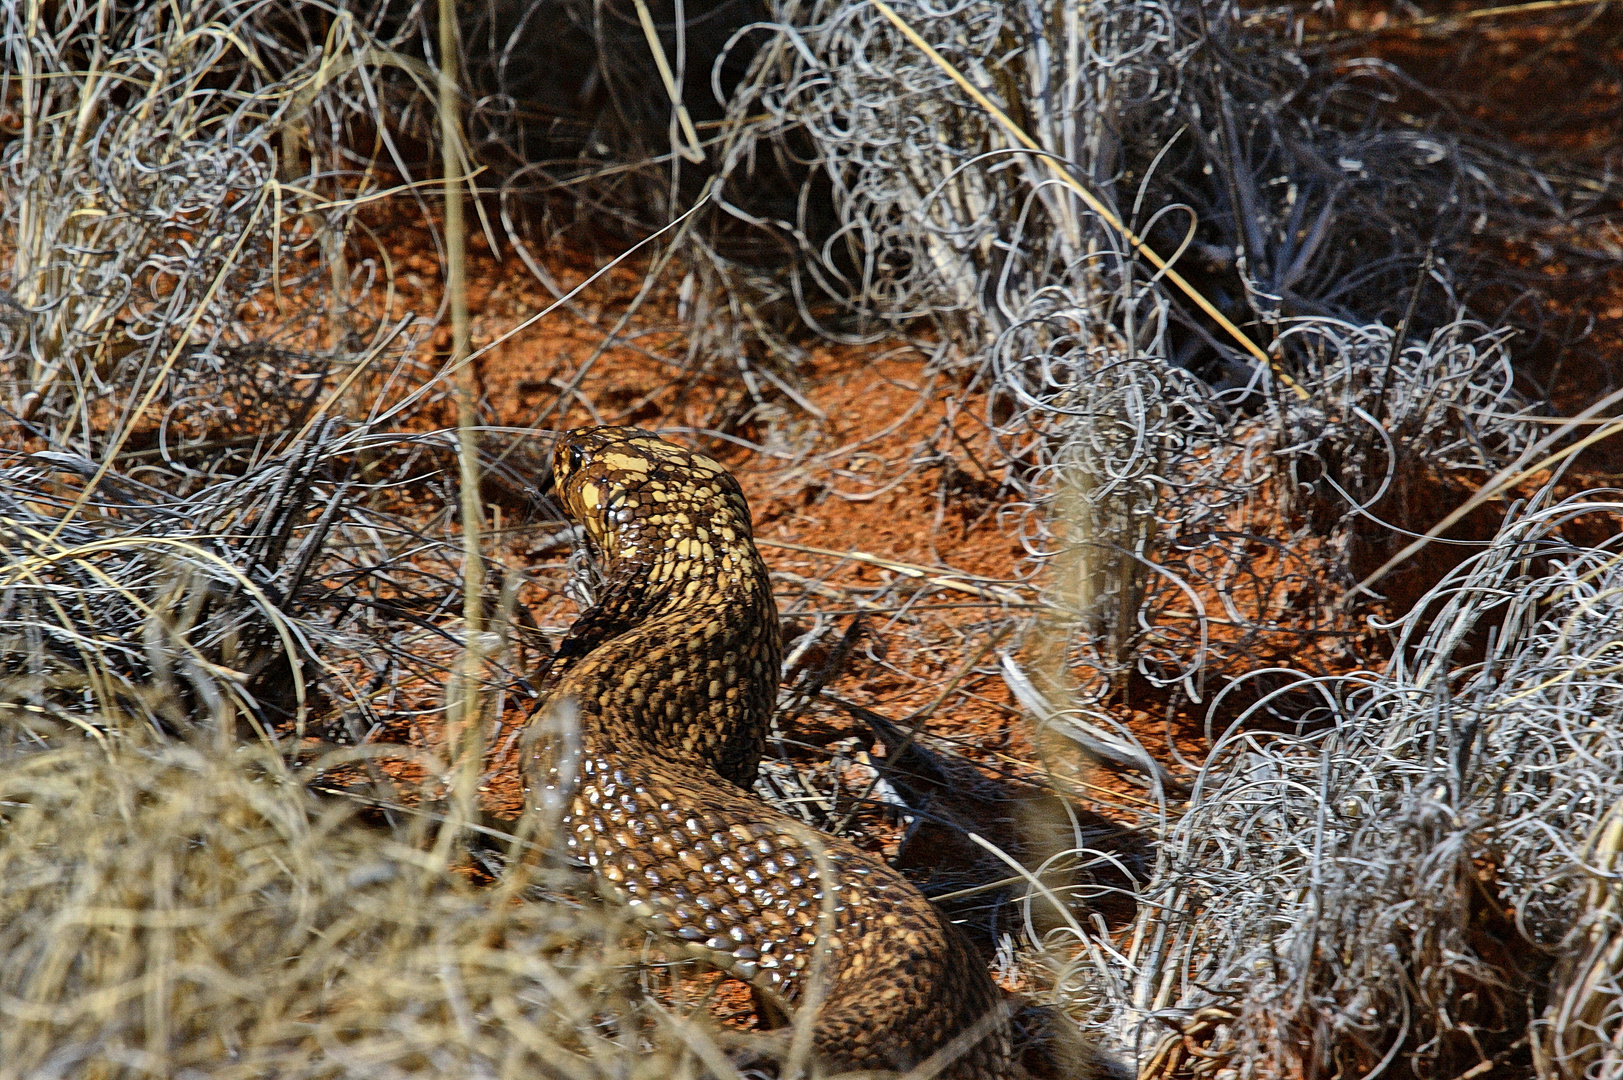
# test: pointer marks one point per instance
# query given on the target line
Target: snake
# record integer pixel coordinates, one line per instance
(672, 675)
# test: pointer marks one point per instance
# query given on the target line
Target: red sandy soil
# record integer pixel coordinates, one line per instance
(891, 460)
(850, 485)
(885, 457)
(896, 468)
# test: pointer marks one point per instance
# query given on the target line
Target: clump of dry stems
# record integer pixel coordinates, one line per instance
(208, 556)
(175, 910)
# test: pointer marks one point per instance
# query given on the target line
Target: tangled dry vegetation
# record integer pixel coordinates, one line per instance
(174, 911)
(1316, 570)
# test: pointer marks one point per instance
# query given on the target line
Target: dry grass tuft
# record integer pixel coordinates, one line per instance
(170, 911)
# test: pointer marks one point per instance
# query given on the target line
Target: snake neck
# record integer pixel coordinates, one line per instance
(677, 661)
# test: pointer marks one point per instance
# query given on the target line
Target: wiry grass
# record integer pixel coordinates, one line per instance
(1141, 436)
(208, 558)
(1433, 860)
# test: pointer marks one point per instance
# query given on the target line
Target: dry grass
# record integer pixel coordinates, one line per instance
(166, 910)
(223, 529)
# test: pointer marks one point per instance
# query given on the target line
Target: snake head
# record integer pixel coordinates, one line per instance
(643, 499)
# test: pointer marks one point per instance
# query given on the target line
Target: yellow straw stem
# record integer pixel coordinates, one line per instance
(462, 702)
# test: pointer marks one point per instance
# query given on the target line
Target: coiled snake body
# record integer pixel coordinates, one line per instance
(673, 672)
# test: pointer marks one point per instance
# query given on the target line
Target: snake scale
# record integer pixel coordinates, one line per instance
(673, 673)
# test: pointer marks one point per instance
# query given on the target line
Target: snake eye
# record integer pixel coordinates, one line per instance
(576, 456)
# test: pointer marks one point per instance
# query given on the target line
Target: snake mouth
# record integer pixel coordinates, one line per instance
(593, 470)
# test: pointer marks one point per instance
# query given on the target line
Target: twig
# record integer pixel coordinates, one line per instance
(959, 582)
(1459, 18)
(464, 713)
